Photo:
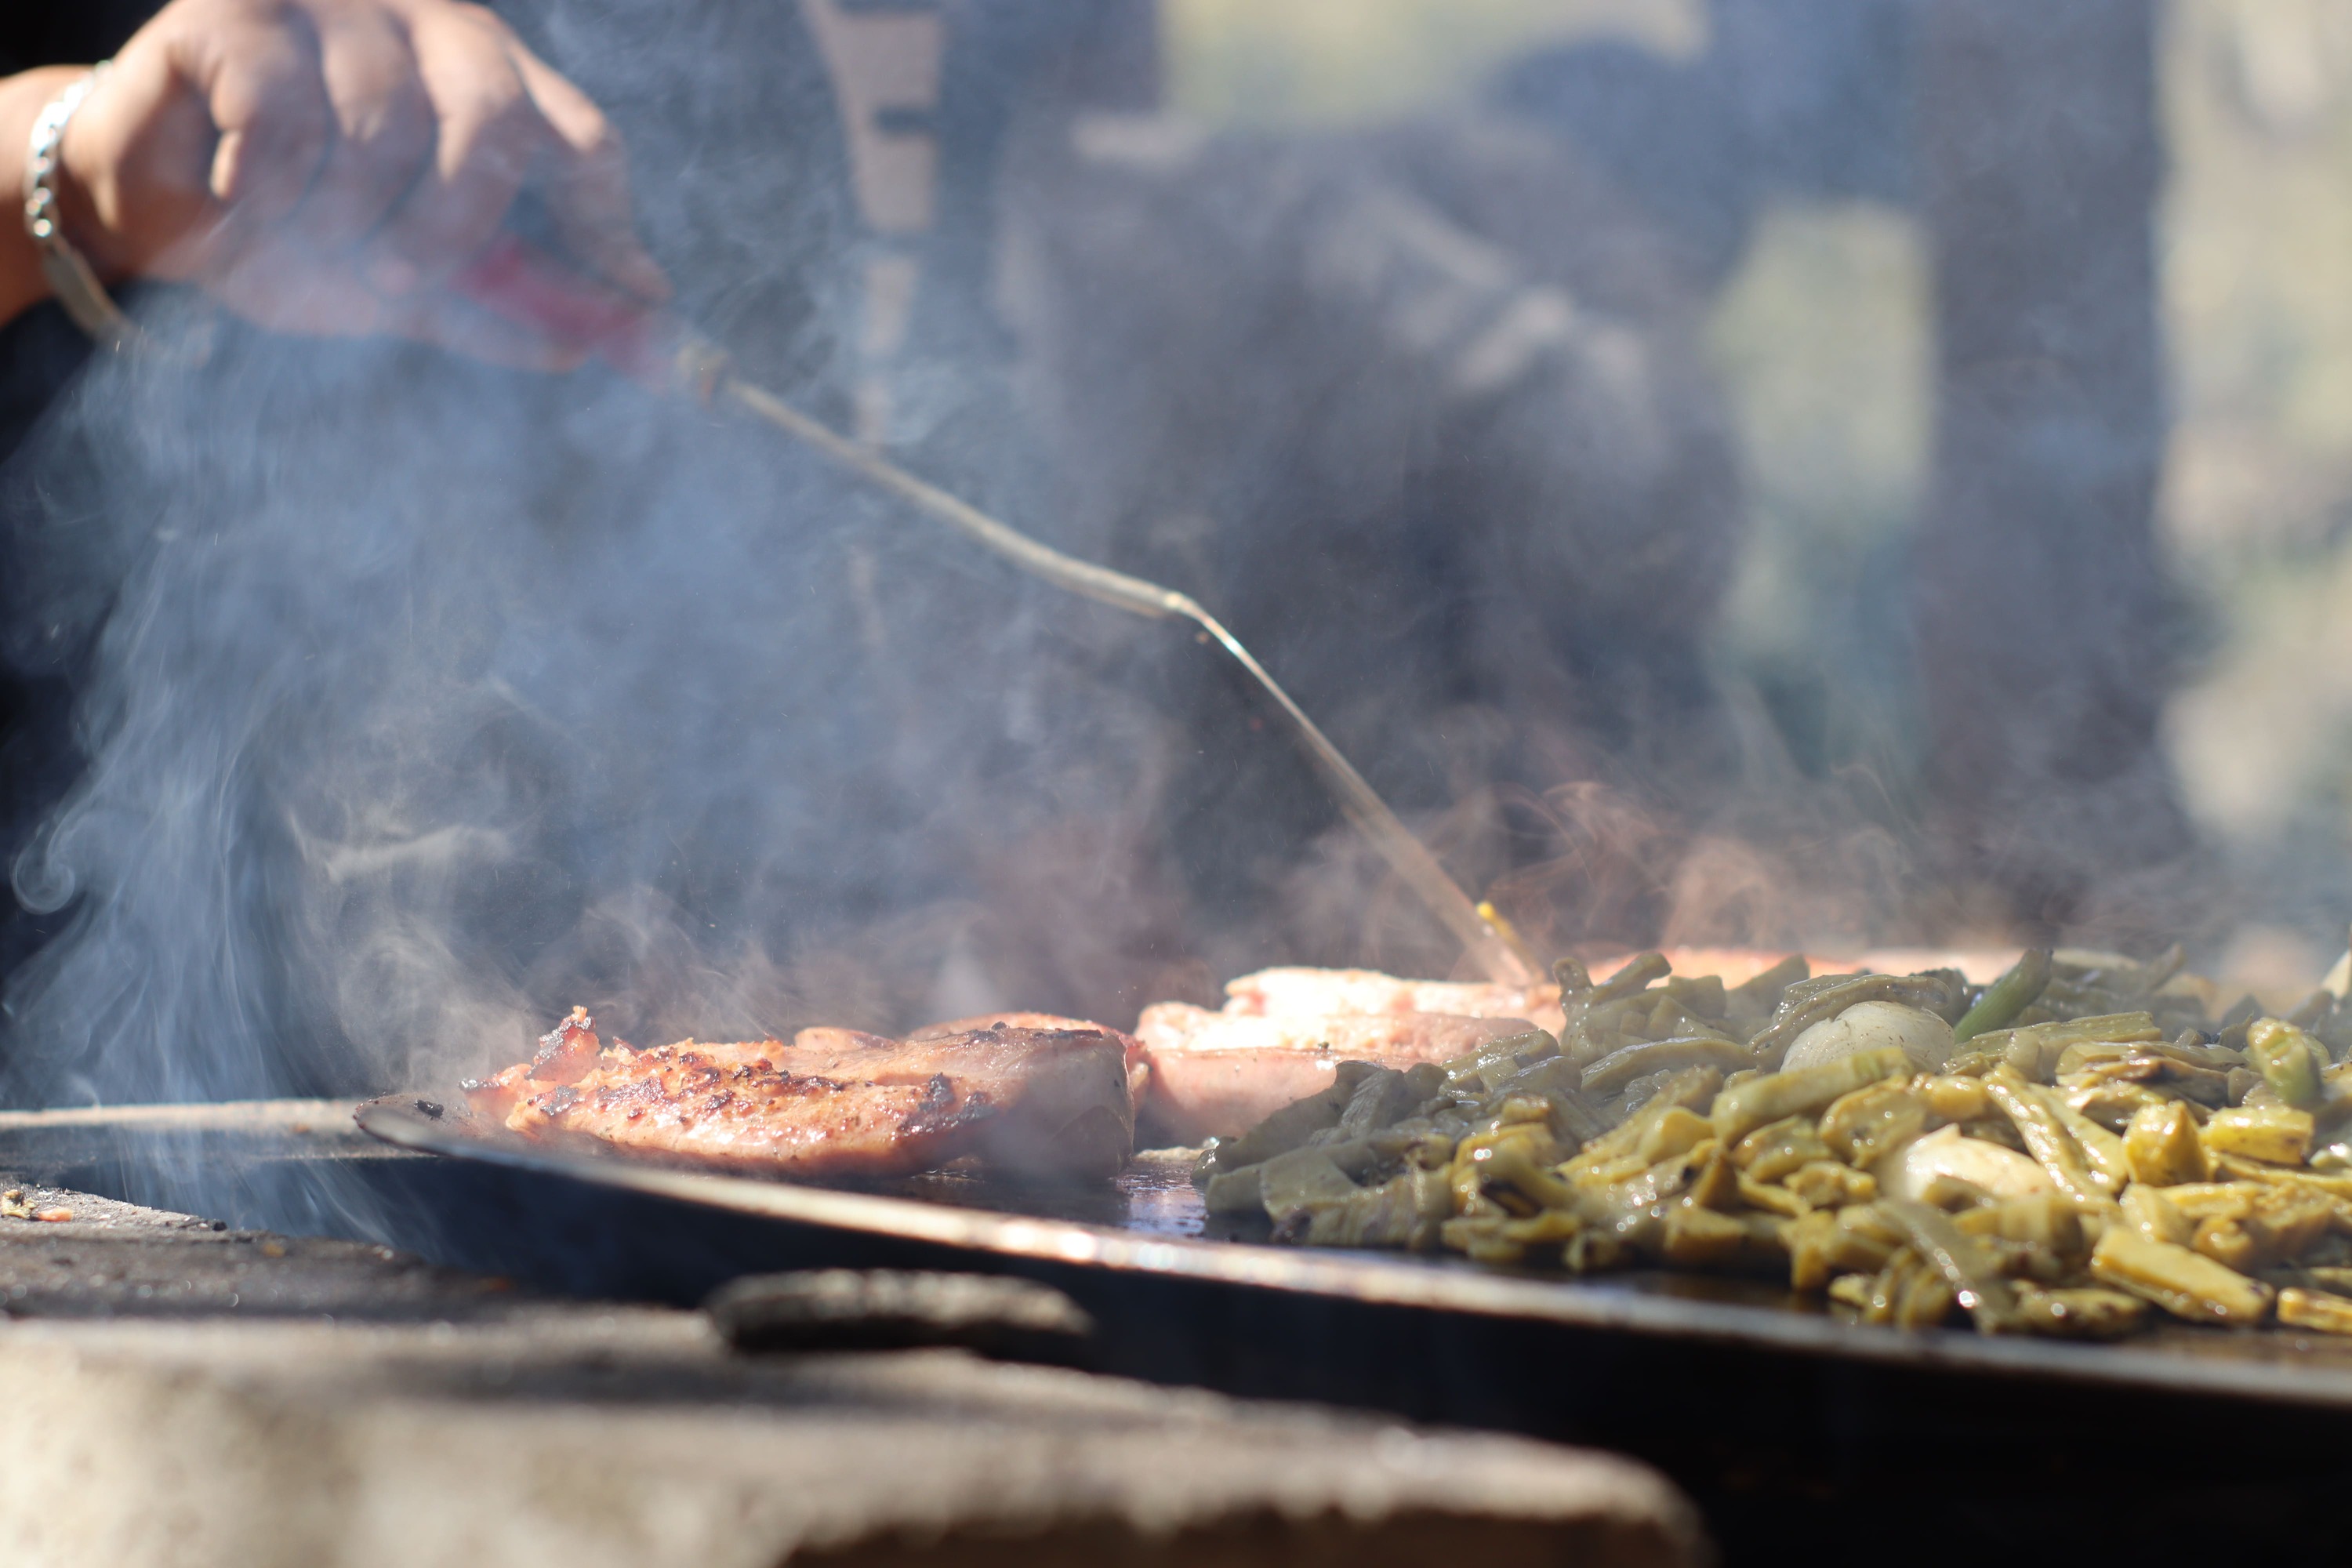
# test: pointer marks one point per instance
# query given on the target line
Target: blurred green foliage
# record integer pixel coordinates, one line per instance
(1332, 61)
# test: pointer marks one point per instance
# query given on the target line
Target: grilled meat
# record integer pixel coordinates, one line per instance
(1360, 992)
(1287, 993)
(1021, 1092)
(1138, 1073)
(1281, 1031)
(1217, 1074)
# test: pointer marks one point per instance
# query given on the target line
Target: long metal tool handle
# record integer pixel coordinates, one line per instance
(1488, 942)
(520, 282)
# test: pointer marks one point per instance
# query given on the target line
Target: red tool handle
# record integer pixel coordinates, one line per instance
(515, 279)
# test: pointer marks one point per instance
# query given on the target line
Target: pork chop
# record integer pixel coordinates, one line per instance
(1049, 1099)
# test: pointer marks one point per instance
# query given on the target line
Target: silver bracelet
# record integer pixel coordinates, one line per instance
(68, 271)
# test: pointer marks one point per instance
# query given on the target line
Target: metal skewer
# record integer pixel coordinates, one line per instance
(516, 282)
(1483, 937)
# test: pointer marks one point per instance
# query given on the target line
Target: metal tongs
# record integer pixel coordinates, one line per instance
(524, 284)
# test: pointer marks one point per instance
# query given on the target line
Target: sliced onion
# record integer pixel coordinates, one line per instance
(1866, 1026)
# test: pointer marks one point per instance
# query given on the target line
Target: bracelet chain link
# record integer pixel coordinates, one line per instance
(68, 272)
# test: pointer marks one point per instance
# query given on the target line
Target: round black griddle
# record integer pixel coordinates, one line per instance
(1786, 1423)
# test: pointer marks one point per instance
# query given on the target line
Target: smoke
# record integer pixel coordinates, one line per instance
(422, 699)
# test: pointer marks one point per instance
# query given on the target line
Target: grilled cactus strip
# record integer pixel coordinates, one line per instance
(1384, 1096)
(1699, 1237)
(2162, 1147)
(1576, 1119)
(2320, 1309)
(1486, 1069)
(2289, 1060)
(1510, 1162)
(1635, 975)
(1778, 1148)
(2184, 1283)
(2125, 980)
(2008, 997)
(1405, 1211)
(1690, 1088)
(2048, 1139)
(2082, 1055)
(1909, 1292)
(1507, 1240)
(1235, 1192)
(2155, 1216)
(1743, 1108)
(1702, 997)
(1618, 1069)
(1303, 1179)
(2085, 1313)
(1861, 1126)
(2038, 1050)
(1763, 993)
(1857, 1239)
(2274, 1134)
(1964, 1264)
(2104, 1150)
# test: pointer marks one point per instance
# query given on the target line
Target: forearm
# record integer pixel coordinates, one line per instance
(22, 99)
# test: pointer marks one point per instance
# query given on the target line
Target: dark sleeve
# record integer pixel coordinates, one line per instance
(74, 33)
(40, 352)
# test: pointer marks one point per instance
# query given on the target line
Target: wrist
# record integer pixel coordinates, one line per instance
(22, 99)
(65, 266)
(80, 215)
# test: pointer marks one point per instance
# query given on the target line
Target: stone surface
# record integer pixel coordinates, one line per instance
(221, 1419)
(97, 1257)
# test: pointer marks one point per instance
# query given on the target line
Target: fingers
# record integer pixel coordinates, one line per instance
(588, 180)
(261, 84)
(488, 135)
(383, 131)
(206, 136)
(329, 165)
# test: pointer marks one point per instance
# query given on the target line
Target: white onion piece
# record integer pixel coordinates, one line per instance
(1866, 1026)
(1905, 1171)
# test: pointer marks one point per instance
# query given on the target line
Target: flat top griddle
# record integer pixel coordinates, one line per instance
(1149, 1223)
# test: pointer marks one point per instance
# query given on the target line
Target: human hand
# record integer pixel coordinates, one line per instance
(331, 167)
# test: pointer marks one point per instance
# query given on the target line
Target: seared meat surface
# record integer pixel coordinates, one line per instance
(1217, 1074)
(1040, 1095)
(1139, 1072)
(1361, 992)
